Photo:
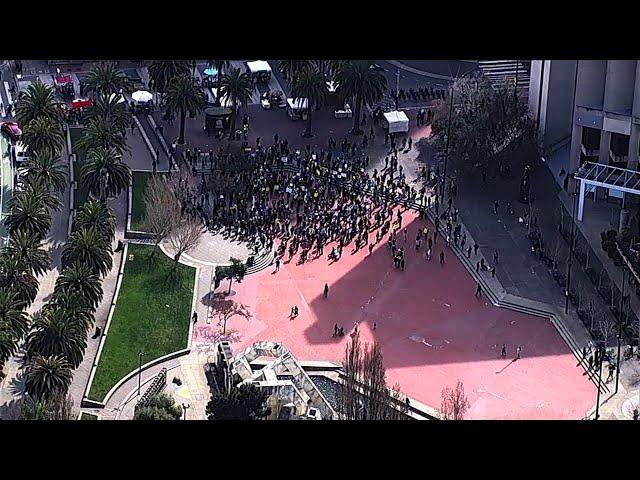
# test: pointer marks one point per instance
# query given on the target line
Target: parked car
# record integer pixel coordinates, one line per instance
(12, 130)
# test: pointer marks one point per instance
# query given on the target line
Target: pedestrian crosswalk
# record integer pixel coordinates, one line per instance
(500, 72)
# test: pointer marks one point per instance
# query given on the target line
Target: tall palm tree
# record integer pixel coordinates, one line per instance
(38, 101)
(104, 173)
(220, 66)
(184, 96)
(56, 332)
(13, 319)
(73, 304)
(108, 106)
(362, 81)
(162, 73)
(46, 167)
(236, 88)
(102, 132)
(15, 278)
(89, 248)
(29, 214)
(291, 68)
(97, 215)
(37, 188)
(8, 347)
(81, 279)
(47, 377)
(310, 84)
(106, 79)
(29, 250)
(43, 134)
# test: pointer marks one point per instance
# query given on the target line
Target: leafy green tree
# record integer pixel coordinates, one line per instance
(161, 407)
(28, 214)
(246, 402)
(43, 134)
(81, 278)
(236, 271)
(362, 81)
(47, 377)
(162, 73)
(102, 132)
(29, 251)
(45, 167)
(106, 79)
(97, 215)
(105, 174)
(236, 88)
(109, 107)
(184, 96)
(89, 248)
(56, 332)
(16, 278)
(310, 84)
(38, 101)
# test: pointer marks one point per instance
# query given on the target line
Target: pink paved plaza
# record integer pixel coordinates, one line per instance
(432, 330)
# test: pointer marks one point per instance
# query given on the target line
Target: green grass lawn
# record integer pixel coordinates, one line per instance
(137, 199)
(152, 314)
(88, 416)
(82, 193)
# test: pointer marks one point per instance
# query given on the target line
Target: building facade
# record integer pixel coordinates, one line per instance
(594, 102)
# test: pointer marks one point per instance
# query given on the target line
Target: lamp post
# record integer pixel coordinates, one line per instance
(140, 355)
(570, 259)
(185, 406)
(446, 153)
(398, 90)
(601, 352)
(620, 327)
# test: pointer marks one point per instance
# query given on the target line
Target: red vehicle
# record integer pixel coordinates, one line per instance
(12, 130)
(81, 103)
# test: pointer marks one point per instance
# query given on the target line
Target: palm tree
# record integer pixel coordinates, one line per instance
(363, 81)
(109, 106)
(104, 173)
(73, 304)
(29, 214)
(37, 188)
(56, 332)
(15, 278)
(89, 248)
(162, 73)
(236, 88)
(183, 95)
(81, 279)
(47, 377)
(43, 134)
(13, 319)
(291, 68)
(102, 132)
(38, 101)
(45, 167)
(220, 66)
(310, 84)
(97, 215)
(106, 79)
(29, 250)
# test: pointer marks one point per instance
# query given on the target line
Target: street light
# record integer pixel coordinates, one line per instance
(140, 355)
(185, 406)
(570, 259)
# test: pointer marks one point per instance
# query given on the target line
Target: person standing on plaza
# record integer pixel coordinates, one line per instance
(503, 353)
(478, 289)
(518, 351)
(325, 293)
(277, 264)
(442, 258)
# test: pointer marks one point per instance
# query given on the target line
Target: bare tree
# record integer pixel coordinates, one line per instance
(162, 209)
(185, 236)
(607, 327)
(363, 393)
(454, 402)
(224, 310)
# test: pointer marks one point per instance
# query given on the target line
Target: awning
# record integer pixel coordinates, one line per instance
(259, 66)
(63, 79)
(297, 103)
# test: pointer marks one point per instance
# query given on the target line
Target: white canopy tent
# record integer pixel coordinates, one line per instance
(297, 103)
(142, 96)
(259, 66)
(397, 121)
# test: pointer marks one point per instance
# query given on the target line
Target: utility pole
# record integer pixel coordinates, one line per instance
(398, 89)
(140, 355)
(446, 154)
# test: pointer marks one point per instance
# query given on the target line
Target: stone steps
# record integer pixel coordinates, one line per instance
(262, 262)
